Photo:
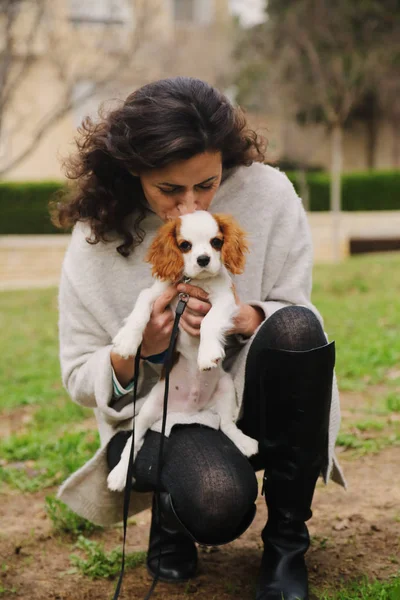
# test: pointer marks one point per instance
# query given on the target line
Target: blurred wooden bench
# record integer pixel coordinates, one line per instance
(363, 245)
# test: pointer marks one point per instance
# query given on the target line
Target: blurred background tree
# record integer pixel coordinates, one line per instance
(63, 58)
(325, 61)
(80, 48)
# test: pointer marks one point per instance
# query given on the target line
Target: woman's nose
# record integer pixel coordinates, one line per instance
(188, 204)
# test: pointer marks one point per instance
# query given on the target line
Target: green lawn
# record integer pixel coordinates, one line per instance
(376, 590)
(31, 373)
(47, 449)
(360, 302)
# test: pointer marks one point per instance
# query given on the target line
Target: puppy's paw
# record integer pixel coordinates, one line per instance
(210, 355)
(126, 342)
(116, 480)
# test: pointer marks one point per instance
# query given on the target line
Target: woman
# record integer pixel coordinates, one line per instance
(173, 147)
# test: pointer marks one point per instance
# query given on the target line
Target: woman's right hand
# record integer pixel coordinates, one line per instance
(157, 335)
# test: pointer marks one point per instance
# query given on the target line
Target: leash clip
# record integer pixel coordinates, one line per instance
(183, 295)
(183, 300)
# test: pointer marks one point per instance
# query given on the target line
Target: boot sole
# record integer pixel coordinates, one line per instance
(165, 580)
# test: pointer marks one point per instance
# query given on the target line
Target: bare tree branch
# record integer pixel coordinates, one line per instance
(27, 59)
(105, 69)
(83, 60)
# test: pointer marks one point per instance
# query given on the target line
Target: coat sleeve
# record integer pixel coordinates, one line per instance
(288, 260)
(85, 355)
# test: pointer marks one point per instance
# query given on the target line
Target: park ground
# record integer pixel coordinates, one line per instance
(47, 553)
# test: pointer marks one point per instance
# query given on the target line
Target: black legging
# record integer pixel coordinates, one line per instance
(212, 484)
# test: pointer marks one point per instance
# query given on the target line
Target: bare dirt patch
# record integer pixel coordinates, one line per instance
(355, 533)
(15, 420)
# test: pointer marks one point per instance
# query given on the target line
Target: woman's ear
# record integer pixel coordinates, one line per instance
(164, 253)
(235, 244)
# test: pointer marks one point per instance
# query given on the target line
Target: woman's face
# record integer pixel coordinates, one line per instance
(183, 186)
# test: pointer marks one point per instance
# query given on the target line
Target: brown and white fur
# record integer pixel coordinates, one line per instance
(202, 247)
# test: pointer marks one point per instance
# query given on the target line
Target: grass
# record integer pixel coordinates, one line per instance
(66, 521)
(4, 590)
(393, 402)
(46, 449)
(364, 590)
(100, 564)
(361, 445)
(360, 303)
(30, 371)
(33, 461)
(370, 425)
(361, 308)
(359, 300)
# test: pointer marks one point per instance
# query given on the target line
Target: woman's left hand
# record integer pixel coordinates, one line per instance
(246, 321)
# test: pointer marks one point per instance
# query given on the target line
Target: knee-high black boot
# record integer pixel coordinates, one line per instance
(294, 446)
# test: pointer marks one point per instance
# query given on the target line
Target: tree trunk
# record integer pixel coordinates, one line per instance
(396, 142)
(372, 138)
(336, 176)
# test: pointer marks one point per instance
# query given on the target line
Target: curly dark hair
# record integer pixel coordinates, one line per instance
(162, 122)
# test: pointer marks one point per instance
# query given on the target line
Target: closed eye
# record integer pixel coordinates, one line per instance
(205, 187)
(170, 191)
(217, 243)
(176, 190)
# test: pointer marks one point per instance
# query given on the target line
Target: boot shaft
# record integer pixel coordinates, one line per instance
(295, 428)
(297, 402)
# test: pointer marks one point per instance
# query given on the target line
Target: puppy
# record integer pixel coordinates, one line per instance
(202, 247)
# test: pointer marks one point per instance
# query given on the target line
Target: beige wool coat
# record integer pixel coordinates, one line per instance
(99, 287)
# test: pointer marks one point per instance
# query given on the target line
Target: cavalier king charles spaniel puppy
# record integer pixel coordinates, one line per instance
(202, 247)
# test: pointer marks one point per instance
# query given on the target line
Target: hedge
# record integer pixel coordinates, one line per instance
(371, 190)
(24, 206)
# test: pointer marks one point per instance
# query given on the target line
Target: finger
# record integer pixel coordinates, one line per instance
(193, 291)
(192, 321)
(167, 330)
(164, 321)
(198, 307)
(190, 330)
(164, 300)
(194, 313)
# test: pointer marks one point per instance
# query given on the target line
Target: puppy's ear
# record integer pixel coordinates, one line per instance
(164, 253)
(235, 244)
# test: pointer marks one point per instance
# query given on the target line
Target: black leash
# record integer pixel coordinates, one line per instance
(129, 474)
(183, 299)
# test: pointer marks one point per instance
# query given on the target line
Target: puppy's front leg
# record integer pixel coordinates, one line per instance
(214, 327)
(149, 413)
(225, 401)
(129, 337)
(116, 479)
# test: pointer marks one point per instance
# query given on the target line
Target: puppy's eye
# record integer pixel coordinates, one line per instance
(217, 243)
(185, 246)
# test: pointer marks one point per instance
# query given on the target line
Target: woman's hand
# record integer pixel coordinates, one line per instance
(156, 336)
(246, 321)
(196, 308)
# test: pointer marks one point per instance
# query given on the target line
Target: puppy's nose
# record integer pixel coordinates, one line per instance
(203, 260)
